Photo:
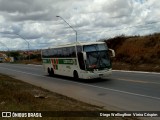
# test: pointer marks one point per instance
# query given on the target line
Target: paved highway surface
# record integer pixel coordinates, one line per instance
(131, 91)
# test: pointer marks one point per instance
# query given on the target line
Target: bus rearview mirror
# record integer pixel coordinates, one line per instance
(113, 52)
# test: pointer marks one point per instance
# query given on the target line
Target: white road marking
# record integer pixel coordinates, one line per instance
(34, 65)
(124, 92)
(136, 81)
(137, 72)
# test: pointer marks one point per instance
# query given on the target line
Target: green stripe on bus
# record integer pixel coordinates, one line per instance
(61, 61)
(47, 61)
(67, 61)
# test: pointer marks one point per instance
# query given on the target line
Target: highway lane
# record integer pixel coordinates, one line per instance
(123, 91)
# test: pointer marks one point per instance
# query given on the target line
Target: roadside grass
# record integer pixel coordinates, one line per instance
(16, 95)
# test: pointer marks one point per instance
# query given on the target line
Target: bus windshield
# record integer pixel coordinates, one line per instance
(97, 56)
(95, 47)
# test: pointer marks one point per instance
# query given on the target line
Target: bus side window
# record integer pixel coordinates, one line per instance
(67, 51)
(46, 54)
(59, 50)
(54, 52)
(79, 49)
(64, 52)
(72, 52)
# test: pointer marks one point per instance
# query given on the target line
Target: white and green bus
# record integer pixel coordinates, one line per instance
(79, 60)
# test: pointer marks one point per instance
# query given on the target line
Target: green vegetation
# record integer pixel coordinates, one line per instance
(136, 52)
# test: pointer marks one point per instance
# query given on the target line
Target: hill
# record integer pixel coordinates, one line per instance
(136, 52)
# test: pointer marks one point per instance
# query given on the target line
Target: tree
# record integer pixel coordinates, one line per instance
(14, 54)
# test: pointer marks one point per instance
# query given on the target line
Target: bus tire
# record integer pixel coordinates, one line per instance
(52, 72)
(49, 71)
(75, 75)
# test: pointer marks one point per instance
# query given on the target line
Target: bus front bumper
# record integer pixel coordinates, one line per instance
(98, 74)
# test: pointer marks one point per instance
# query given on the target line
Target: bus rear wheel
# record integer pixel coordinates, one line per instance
(49, 72)
(75, 75)
(52, 72)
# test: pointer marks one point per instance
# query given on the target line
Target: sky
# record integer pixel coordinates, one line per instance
(33, 23)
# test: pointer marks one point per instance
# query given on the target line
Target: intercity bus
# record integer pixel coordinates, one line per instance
(79, 60)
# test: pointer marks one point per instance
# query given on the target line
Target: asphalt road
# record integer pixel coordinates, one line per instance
(131, 91)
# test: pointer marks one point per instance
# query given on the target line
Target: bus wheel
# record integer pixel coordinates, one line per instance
(49, 72)
(52, 72)
(75, 75)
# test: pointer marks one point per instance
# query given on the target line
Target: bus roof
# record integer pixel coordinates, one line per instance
(77, 43)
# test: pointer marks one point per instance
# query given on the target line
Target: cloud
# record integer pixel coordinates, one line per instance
(1, 19)
(36, 21)
(20, 10)
(119, 8)
(27, 6)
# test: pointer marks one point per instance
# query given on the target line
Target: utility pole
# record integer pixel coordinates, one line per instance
(27, 44)
(69, 26)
